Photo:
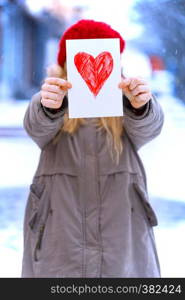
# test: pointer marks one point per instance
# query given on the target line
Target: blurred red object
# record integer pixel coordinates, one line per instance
(157, 63)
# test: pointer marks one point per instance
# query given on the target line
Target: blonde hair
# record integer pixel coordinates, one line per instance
(113, 126)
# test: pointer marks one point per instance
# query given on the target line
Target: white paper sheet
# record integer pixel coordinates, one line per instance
(95, 61)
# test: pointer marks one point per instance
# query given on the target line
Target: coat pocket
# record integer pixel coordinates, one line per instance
(150, 214)
(40, 203)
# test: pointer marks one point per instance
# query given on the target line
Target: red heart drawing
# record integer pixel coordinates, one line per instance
(94, 71)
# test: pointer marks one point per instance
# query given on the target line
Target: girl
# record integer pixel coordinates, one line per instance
(88, 212)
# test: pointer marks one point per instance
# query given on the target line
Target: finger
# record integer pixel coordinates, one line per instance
(58, 81)
(140, 89)
(52, 96)
(124, 83)
(145, 97)
(135, 82)
(52, 88)
(50, 103)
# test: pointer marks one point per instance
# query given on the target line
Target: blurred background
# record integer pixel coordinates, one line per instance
(155, 36)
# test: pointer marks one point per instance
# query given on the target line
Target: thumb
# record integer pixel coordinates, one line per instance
(124, 84)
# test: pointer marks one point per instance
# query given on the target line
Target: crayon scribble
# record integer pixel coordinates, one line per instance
(94, 71)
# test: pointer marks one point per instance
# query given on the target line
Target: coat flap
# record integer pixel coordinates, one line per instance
(151, 216)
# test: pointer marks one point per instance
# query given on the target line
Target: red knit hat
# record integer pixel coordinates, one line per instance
(86, 29)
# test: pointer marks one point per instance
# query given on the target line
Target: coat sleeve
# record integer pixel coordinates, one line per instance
(143, 128)
(40, 124)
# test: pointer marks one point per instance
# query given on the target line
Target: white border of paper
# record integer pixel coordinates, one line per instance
(82, 102)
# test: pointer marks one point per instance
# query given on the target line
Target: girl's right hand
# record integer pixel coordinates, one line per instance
(53, 92)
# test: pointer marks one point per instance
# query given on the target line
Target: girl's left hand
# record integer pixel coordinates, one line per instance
(136, 90)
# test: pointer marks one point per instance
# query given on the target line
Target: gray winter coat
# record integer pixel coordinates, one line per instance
(85, 215)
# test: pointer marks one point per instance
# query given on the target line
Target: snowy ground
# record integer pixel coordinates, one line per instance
(164, 162)
(164, 156)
